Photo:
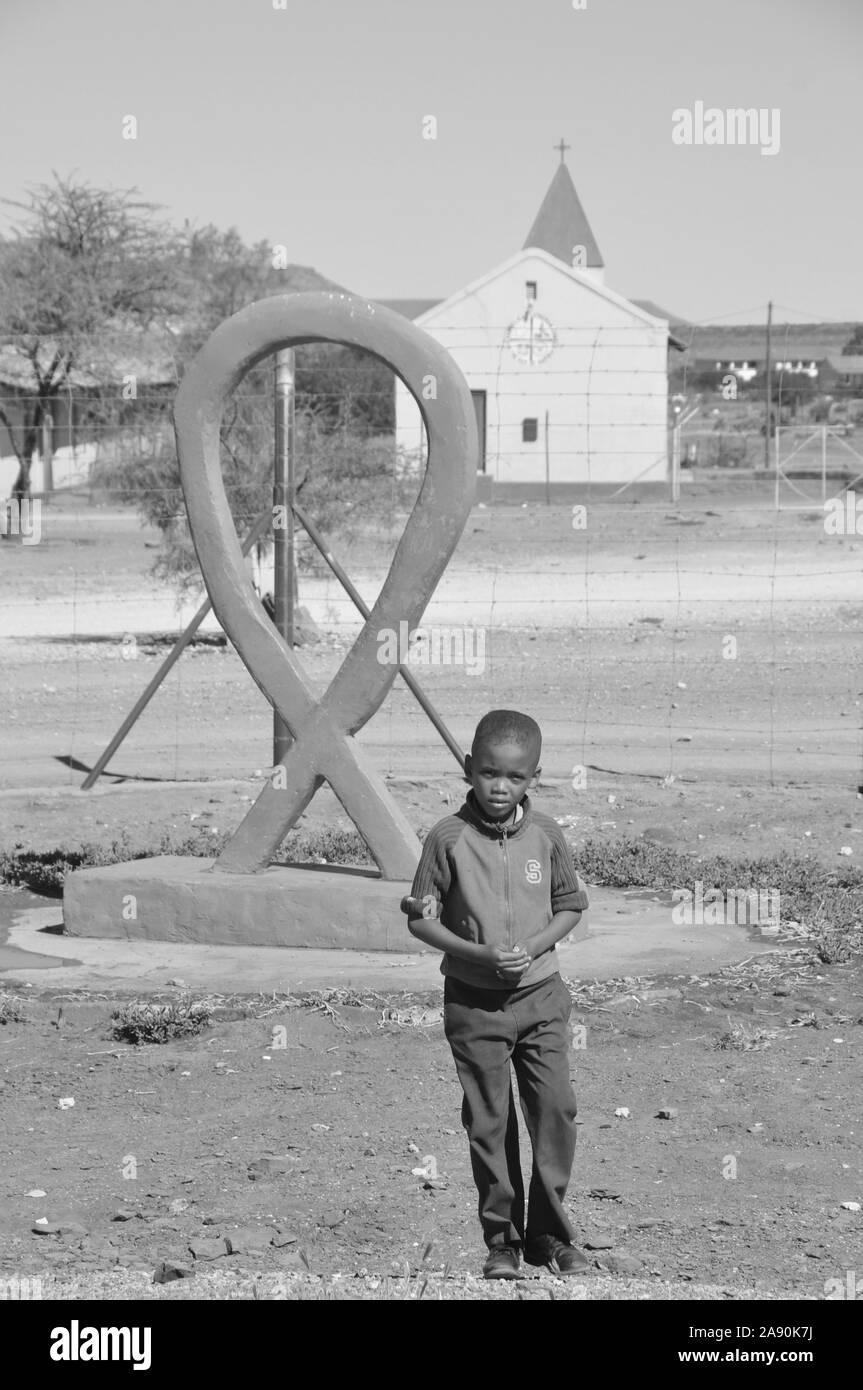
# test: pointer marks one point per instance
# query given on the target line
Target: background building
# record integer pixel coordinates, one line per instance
(569, 379)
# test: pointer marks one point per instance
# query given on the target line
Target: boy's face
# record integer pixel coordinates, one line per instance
(500, 774)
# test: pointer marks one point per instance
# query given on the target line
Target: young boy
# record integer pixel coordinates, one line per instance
(494, 890)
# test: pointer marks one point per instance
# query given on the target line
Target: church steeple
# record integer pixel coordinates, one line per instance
(561, 227)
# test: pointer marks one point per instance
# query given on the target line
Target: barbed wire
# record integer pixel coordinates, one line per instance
(502, 595)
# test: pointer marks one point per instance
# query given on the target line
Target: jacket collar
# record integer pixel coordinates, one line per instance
(495, 829)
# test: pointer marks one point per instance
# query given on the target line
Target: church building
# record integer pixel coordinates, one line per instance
(569, 379)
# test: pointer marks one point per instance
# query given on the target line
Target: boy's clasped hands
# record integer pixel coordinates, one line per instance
(510, 965)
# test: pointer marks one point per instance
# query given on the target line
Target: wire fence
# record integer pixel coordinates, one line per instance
(715, 643)
(707, 643)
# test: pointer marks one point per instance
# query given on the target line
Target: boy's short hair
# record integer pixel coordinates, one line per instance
(508, 726)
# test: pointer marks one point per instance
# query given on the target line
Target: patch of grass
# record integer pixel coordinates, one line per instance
(810, 892)
(827, 899)
(159, 1023)
(11, 1009)
(44, 871)
(739, 1038)
(330, 846)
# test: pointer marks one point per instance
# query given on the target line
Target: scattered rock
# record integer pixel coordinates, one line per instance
(58, 1228)
(619, 1264)
(167, 1270)
(178, 1206)
(291, 1259)
(36, 1192)
(331, 1219)
(283, 1237)
(208, 1249)
(844, 1220)
(660, 835)
(668, 1113)
(621, 1113)
(850, 1206)
(66, 1102)
(249, 1239)
(99, 1247)
(599, 1243)
(605, 1194)
(124, 1214)
(270, 1166)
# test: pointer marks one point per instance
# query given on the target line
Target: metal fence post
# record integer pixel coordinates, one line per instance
(675, 463)
(283, 533)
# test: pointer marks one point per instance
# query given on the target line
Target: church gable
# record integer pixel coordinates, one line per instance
(568, 378)
(534, 275)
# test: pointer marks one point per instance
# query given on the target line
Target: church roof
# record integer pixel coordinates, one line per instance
(561, 223)
(651, 307)
(409, 308)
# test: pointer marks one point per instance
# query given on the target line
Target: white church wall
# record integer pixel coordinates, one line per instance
(604, 384)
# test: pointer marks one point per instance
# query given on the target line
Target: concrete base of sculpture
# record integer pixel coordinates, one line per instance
(188, 900)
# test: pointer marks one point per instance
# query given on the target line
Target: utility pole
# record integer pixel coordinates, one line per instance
(768, 390)
(284, 597)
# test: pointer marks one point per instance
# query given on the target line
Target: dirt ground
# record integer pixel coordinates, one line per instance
(739, 1193)
(762, 751)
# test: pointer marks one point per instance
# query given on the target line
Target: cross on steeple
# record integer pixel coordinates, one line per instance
(562, 147)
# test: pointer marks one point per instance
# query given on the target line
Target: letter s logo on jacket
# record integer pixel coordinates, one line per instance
(533, 871)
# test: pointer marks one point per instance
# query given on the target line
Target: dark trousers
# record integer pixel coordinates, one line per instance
(487, 1029)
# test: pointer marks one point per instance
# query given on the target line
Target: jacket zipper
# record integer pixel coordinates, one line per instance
(506, 890)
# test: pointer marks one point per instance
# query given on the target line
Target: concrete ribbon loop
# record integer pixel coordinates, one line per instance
(323, 747)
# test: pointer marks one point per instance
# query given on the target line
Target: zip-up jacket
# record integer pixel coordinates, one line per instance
(498, 884)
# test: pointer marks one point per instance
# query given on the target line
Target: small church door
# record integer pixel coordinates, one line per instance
(479, 408)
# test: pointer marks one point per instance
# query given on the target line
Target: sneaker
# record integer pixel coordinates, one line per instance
(557, 1255)
(503, 1263)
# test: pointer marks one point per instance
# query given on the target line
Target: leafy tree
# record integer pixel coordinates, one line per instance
(344, 413)
(89, 270)
(854, 346)
(84, 262)
(342, 480)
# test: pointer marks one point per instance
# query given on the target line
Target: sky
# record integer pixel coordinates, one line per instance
(304, 126)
